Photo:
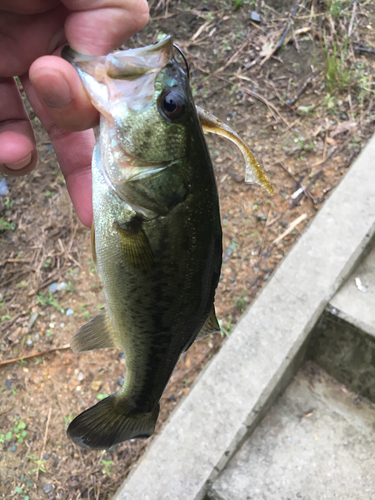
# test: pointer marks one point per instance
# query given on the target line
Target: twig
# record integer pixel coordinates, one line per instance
(233, 56)
(275, 219)
(33, 355)
(265, 228)
(303, 87)
(44, 442)
(270, 106)
(352, 18)
(298, 183)
(302, 17)
(283, 36)
(313, 179)
(362, 48)
(199, 31)
(292, 225)
(333, 153)
(9, 323)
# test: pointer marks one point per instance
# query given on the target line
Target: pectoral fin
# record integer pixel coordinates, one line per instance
(254, 172)
(134, 243)
(96, 334)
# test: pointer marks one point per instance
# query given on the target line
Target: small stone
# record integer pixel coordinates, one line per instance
(46, 456)
(96, 385)
(3, 187)
(13, 448)
(8, 384)
(120, 380)
(48, 489)
(69, 312)
(61, 286)
(29, 342)
(80, 376)
(32, 319)
(254, 16)
(52, 288)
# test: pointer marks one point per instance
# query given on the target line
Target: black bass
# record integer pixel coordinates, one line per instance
(156, 236)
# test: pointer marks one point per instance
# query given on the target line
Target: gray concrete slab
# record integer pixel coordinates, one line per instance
(355, 301)
(316, 442)
(243, 379)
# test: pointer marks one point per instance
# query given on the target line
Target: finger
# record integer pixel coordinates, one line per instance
(22, 7)
(74, 152)
(115, 21)
(18, 154)
(62, 94)
(57, 84)
(27, 37)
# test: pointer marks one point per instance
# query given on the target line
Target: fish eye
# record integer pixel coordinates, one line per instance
(172, 104)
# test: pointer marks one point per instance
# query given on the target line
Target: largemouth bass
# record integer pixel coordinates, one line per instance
(156, 236)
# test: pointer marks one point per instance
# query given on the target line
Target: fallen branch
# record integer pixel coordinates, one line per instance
(33, 355)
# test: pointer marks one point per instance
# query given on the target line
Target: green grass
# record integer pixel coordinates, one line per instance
(48, 299)
(4, 225)
(337, 73)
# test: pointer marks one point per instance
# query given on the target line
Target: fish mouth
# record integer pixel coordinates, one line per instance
(124, 64)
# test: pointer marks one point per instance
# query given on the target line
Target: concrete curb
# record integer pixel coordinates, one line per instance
(263, 352)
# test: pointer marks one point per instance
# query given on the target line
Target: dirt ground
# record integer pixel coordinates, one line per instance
(305, 109)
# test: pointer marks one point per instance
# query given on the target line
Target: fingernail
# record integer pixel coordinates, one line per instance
(20, 164)
(56, 95)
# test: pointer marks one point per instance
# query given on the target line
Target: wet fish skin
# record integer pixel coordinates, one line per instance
(158, 246)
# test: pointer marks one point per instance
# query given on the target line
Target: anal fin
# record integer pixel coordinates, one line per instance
(211, 325)
(96, 334)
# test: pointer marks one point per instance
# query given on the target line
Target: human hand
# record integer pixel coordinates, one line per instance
(31, 35)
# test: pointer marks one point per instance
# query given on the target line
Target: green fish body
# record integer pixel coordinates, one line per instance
(157, 237)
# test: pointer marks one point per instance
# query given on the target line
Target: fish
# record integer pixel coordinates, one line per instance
(156, 235)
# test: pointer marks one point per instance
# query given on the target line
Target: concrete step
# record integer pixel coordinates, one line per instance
(355, 301)
(256, 363)
(344, 337)
(316, 442)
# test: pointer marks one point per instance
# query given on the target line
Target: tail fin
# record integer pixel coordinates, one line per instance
(109, 423)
